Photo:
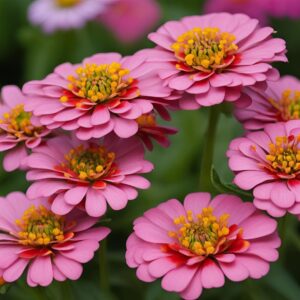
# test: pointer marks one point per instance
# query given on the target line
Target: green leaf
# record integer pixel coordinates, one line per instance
(227, 187)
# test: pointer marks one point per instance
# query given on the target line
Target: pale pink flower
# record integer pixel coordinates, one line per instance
(268, 162)
(88, 174)
(213, 57)
(253, 8)
(196, 245)
(47, 245)
(104, 93)
(19, 131)
(280, 102)
(54, 15)
(130, 20)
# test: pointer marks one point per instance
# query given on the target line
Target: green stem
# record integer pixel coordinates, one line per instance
(103, 267)
(282, 233)
(208, 149)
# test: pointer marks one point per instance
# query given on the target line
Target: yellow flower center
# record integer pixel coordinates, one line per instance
(205, 49)
(203, 234)
(66, 3)
(18, 122)
(288, 106)
(284, 155)
(99, 83)
(88, 164)
(40, 227)
(146, 120)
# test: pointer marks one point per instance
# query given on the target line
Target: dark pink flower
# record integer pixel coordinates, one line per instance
(88, 174)
(19, 131)
(149, 129)
(213, 57)
(268, 162)
(196, 245)
(48, 245)
(279, 102)
(103, 94)
(130, 20)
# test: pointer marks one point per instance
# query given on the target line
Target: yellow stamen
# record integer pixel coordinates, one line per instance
(202, 233)
(205, 48)
(284, 155)
(40, 227)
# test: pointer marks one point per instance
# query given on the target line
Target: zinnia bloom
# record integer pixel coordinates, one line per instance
(197, 244)
(253, 8)
(53, 15)
(268, 162)
(212, 57)
(279, 103)
(88, 174)
(19, 131)
(48, 245)
(130, 20)
(149, 129)
(281, 9)
(103, 94)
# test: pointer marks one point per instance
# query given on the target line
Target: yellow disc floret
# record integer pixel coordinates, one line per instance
(205, 49)
(284, 155)
(67, 3)
(146, 120)
(202, 234)
(288, 106)
(99, 83)
(40, 227)
(88, 164)
(18, 122)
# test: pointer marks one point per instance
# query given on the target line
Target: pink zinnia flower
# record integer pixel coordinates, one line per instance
(212, 57)
(268, 162)
(19, 131)
(88, 174)
(197, 244)
(149, 129)
(50, 246)
(281, 9)
(130, 20)
(105, 93)
(280, 102)
(253, 8)
(54, 15)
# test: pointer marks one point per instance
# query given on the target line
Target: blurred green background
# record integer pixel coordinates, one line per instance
(26, 54)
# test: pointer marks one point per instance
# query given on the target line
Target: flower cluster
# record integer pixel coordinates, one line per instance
(81, 134)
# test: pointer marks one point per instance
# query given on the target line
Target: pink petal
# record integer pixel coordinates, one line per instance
(40, 270)
(178, 279)
(95, 203)
(211, 275)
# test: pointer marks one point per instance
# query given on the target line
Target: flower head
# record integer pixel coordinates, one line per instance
(212, 57)
(268, 162)
(197, 244)
(50, 246)
(130, 20)
(149, 128)
(88, 174)
(19, 131)
(253, 8)
(103, 94)
(54, 15)
(279, 103)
